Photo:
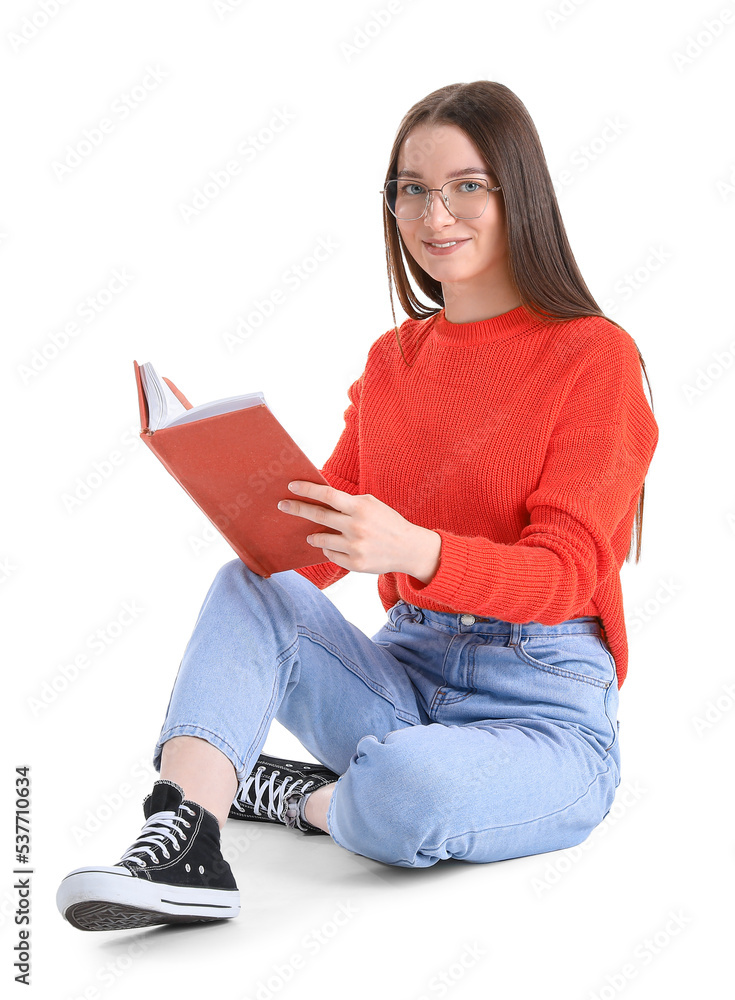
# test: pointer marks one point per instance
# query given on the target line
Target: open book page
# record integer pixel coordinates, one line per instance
(163, 406)
(168, 411)
(218, 406)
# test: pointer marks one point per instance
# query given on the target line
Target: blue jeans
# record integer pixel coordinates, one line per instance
(454, 736)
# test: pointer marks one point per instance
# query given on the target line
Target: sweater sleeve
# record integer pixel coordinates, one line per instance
(598, 455)
(342, 471)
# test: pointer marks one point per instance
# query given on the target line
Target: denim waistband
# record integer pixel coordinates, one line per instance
(452, 621)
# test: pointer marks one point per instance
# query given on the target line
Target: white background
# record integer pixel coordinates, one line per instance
(594, 921)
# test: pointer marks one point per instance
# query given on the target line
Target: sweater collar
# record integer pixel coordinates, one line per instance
(483, 331)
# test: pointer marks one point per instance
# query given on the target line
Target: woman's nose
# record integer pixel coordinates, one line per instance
(435, 199)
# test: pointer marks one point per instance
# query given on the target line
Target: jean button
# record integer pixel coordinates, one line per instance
(468, 619)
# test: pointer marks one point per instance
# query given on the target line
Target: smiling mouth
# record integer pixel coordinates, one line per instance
(446, 243)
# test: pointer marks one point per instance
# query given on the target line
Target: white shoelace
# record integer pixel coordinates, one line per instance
(276, 798)
(160, 831)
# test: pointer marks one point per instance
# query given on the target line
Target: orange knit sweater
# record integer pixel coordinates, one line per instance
(524, 444)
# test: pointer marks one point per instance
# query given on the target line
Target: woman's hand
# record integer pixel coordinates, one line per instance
(373, 537)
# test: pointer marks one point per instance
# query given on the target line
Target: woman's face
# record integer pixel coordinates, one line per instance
(430, 155)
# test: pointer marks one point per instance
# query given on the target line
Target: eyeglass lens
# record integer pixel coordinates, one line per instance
(408, 200)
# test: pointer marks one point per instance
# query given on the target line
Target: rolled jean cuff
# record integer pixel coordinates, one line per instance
(190, 729)
(331, 819)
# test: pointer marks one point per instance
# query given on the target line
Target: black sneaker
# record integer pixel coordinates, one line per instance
(272, 792)
(173, 873)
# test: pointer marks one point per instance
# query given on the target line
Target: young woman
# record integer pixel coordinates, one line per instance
(490, 470)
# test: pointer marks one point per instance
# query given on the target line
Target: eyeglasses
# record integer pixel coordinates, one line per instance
(464, 198)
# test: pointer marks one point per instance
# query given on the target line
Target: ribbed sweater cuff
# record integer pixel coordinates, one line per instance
(455, 574)
(323, 574)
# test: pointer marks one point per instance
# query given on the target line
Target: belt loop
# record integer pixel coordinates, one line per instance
(516, 631)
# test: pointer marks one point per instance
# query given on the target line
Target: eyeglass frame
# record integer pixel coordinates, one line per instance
(429, 192)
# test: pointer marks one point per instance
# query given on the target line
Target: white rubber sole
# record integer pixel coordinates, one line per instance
(105, 899)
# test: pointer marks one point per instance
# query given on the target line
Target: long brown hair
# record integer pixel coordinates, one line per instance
(541, 263)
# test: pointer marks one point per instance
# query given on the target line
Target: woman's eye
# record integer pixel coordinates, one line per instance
(407, 189)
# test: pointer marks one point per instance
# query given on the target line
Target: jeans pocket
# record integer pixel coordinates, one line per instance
(579, 657)
(581, 680)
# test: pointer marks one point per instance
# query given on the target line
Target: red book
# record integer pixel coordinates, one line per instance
(235, 461)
